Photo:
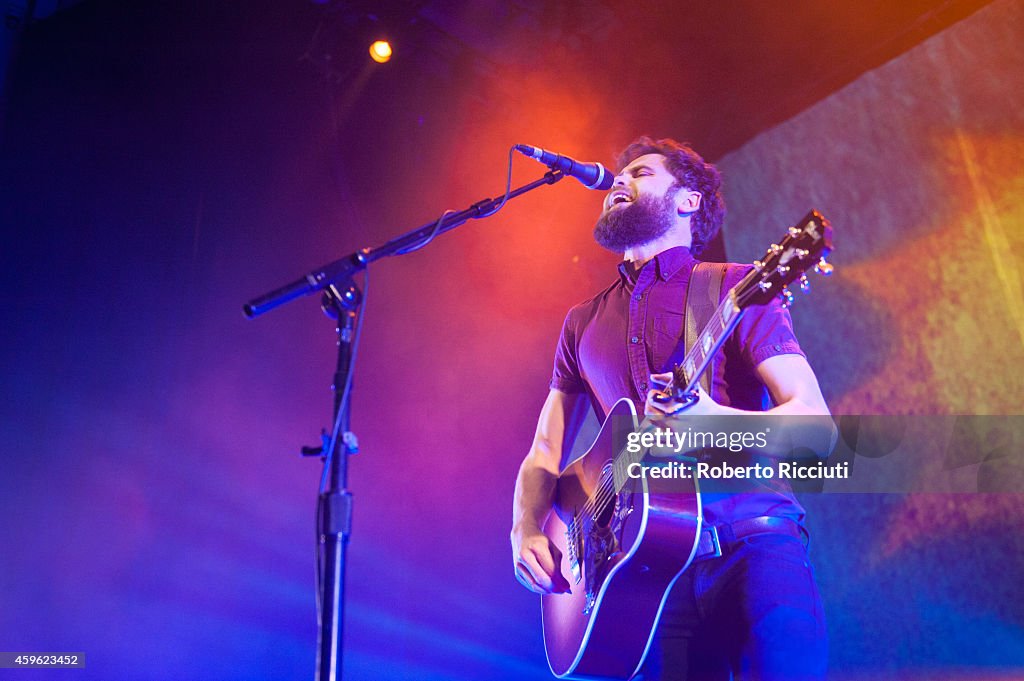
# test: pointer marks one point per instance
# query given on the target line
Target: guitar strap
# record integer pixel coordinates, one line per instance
(702, 293)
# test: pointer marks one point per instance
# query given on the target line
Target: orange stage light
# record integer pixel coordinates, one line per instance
(380, 51)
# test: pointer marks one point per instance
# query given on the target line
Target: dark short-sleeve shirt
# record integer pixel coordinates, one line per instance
(612, 342)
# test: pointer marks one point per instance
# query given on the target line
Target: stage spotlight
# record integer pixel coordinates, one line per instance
(380, 51)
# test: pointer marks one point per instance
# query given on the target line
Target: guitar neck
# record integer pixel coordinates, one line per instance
(710, 340)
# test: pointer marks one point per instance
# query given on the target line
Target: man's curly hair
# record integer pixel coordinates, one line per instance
(693, 173)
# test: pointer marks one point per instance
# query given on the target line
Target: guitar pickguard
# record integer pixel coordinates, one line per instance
(601, 541)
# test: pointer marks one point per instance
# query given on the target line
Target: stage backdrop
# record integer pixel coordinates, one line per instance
(919, 166)
(162, 164)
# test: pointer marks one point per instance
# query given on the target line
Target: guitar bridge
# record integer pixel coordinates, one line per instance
(573, 540)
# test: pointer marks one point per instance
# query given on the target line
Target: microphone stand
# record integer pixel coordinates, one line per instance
(341, 301)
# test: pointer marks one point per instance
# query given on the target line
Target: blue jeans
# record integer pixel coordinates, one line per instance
(753, 613)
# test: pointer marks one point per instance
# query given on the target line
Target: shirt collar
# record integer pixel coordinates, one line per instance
(666, 264)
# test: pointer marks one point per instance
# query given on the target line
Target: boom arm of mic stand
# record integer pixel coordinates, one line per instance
(345, 267)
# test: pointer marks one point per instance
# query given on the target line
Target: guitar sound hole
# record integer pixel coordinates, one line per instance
(605, 512)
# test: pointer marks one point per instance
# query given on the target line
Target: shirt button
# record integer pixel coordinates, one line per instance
(643, 387)
(634, 339)
(778, 347)
(638, 296)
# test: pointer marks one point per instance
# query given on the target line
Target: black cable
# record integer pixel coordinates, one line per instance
(440, 221)
(508, 186)
(332, 444)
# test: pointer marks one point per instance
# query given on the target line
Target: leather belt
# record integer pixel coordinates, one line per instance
(716, 539)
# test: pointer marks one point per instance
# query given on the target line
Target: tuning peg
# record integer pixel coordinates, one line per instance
(805, 283)
(824, 268)
(787, 297)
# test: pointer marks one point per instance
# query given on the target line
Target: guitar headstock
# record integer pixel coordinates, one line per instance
(804, 247)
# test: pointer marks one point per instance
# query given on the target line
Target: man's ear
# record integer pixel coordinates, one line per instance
(687, 202)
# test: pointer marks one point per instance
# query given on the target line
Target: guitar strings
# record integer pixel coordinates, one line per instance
(597, 503)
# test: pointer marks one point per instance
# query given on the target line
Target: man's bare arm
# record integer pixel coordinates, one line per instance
(536, 560)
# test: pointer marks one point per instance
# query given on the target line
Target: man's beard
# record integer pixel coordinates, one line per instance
(639, 223)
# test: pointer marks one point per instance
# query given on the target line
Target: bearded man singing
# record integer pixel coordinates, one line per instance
(752, 612)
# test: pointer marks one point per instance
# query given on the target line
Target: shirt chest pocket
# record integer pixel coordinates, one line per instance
(668, 342)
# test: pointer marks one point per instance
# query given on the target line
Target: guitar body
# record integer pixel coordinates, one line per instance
(623, 561)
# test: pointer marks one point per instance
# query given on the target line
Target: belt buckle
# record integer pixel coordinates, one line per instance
(715, 541)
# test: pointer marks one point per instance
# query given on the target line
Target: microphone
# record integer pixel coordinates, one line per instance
(592, 175)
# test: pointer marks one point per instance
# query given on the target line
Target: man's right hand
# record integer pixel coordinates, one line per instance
(537, 562)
